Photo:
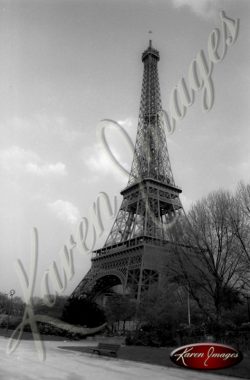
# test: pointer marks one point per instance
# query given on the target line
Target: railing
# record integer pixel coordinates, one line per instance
(129, 244)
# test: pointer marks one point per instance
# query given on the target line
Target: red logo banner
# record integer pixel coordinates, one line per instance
(206, 356)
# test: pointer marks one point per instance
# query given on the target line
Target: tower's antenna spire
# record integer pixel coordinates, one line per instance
(150, 41)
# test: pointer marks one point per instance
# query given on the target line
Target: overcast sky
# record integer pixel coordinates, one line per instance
(64, 66)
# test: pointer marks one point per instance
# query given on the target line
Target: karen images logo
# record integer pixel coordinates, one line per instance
(206, 356)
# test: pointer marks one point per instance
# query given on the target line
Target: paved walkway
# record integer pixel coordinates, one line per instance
(24, 364)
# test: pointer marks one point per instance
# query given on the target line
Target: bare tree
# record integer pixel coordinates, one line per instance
(243, 193)
(208, 259)
(240, 219)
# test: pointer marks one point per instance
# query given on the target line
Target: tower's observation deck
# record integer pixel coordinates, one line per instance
(150, 52)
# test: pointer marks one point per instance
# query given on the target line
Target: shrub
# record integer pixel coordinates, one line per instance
(83, 312)
(154, 336)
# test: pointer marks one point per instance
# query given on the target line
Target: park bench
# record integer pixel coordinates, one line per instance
(106, 348)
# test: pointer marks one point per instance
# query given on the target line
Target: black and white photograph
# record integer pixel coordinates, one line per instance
(125, 189)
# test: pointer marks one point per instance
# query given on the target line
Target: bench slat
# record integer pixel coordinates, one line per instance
(107, 345)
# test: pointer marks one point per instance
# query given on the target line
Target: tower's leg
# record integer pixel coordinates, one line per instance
(126, 276)
(140, 284)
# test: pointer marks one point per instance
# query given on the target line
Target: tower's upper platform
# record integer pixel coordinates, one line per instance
(150, 52)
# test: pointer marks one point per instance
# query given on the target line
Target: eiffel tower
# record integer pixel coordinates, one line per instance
(137, 246)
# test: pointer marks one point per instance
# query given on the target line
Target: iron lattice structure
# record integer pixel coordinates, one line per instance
(136, 248)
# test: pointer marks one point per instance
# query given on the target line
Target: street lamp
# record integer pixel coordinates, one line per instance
(11, 294)
(248, 306)
(188, 308)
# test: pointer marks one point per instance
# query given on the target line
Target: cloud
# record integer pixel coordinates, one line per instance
(98, 161)
(16, 161)
(58, 127)
(203, 8)
(58, 169)
(65, 211)
(41, 128)
(117, 156)
(15, 158)
(130, 125)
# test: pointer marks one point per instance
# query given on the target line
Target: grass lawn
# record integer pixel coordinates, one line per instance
(160, 356)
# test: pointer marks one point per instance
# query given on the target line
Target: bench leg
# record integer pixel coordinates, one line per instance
(96, 352)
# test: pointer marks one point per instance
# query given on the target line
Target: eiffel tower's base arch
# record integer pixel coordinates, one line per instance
(106, 282)
(135, 267)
